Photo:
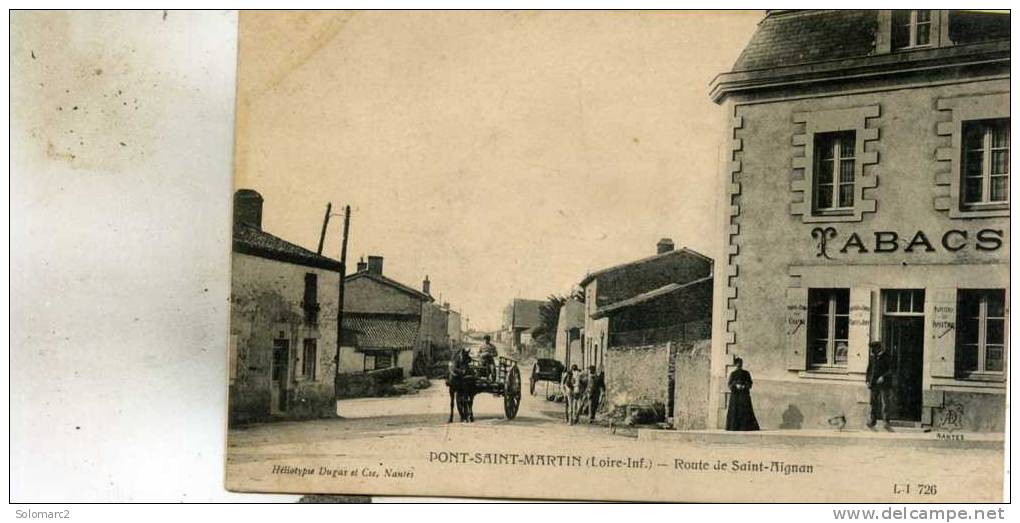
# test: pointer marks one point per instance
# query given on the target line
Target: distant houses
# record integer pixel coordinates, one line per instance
(642, 323)
(520, 317)
(283, 306)
(390, 324)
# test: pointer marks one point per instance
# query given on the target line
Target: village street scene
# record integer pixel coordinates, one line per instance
(852, 294)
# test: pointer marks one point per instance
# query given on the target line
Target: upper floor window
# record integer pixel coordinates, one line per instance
(834, 171)
(985, 162)
(911, 28)
(310, 301)
(981, 324)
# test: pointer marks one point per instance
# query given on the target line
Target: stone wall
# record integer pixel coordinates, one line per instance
(693, 386)
(636, 375)
(368, 384)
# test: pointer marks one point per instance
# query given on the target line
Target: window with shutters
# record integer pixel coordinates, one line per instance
(981, 332)
(310, 300)
(828, 326)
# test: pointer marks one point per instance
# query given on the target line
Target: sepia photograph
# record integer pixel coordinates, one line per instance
(748, 262)
(719, 256)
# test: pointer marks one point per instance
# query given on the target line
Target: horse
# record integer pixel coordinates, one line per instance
(460, 382)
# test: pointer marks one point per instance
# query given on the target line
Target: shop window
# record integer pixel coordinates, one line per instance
(834, 172)
(310, 355)
(980, 337)
(985, 163)
(828, 327)
(911, 28)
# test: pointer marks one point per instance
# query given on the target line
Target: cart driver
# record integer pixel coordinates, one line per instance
(487, 354)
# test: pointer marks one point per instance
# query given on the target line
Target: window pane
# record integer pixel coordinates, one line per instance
(846, 171)
(846, 195)
(825, 171)
(998, 190)
(846, 142)
(1000, 133)
(994, 332)
(923, 15)
(1000, 161)
(996, 303)
(901, 28)
(818, 355)
(972, 190)
(917, 301)
(973, 136)
(974, 161)
(824, 196)
(967, 330)
(966, 357)
(842, 297)
(993, 358)
(842, 327)
(969, 303)
(839, 354)
(922, 34)
(823, 146)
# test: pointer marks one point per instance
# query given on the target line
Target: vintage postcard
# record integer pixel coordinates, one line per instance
(671, 255)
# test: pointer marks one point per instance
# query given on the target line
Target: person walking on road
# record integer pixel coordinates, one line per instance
(569, 385)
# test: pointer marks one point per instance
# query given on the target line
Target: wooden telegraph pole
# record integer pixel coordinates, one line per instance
(340, 303)
(325, 222)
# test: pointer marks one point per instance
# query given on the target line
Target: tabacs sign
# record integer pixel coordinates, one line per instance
(828, 241)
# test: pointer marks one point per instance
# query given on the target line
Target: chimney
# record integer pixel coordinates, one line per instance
(426, 286)
(665, 245)
(362, 266)
(375, 264)
(248, 208)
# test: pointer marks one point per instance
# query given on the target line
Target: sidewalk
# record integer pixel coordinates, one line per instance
(899, 438)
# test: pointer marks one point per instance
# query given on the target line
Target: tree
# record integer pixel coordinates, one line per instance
(549, 315)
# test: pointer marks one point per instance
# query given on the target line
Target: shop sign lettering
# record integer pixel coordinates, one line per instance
(828, 241)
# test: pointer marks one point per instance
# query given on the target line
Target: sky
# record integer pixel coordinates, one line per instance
(502, 154)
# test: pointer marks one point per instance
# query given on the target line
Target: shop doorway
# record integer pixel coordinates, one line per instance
(903, 335)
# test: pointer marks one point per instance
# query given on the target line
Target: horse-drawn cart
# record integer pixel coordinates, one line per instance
(507, 384)
(472, 377)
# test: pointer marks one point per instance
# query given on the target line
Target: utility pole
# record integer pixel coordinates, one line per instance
(325, 222)
(340, 303)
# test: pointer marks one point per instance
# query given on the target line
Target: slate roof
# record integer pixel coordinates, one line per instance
(382, 331)
(256, 242)
(591, 276)
(665, 290)
(802, 36)
(390, 282)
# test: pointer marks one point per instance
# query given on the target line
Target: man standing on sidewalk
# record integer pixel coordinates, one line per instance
(879, 381)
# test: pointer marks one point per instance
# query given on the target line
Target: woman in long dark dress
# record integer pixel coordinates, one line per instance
(740, 415)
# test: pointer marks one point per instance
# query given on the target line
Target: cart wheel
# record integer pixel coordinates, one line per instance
(512, 393)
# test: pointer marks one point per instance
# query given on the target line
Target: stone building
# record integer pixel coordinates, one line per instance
(639, 315)
(385, 321)
(569, 332)
(520, 316)
(283, 306)
(867, 199)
